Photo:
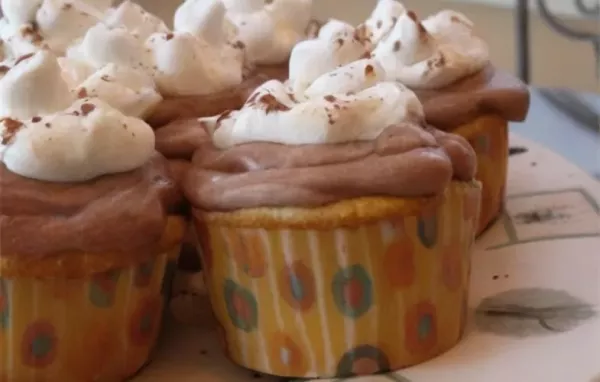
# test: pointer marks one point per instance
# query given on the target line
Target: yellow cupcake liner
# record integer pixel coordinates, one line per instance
(489, 137)
(99, 328)
(359, 298)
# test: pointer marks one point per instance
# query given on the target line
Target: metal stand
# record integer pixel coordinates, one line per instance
(567, 101)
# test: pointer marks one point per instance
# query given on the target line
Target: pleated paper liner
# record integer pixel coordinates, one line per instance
(98, 327)
(360, 287)
(489, 137)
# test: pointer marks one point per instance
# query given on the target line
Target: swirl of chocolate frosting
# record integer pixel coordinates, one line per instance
(406, 160)
(118, 213)
(490, 91)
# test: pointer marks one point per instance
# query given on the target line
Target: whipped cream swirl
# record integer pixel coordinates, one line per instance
(351, 103)
(136, 19)
(268, 29)
(180, 63)
(48, 135)
(431, 54)
(337, 44)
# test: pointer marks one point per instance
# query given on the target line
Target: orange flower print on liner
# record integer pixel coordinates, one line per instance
(452, 266)
(421, 328)
(247, 251)
(286, 356)
(363, 360)
(399, 261)
(145, 321)
(297, 286)
(39, 345)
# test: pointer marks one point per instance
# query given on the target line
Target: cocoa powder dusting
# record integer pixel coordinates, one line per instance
(82, 93)
(23, 58)
(169, 36)
(4, 69)
(272, 104)
(330, 98)
(369, 70)
(36, 119)
(87, 108)
(11, 127)
(397, 46)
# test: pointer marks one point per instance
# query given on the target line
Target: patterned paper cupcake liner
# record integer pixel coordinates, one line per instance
(489, 137)
(99, 328)
(348, 300)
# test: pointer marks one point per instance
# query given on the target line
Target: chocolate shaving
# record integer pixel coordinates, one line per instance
(11, 127)
(272, 104)
(330, 98)
(369, 70)
(36, 119)
(82, 93)
(87, 108)
(4, 69)
(397, 46)
(23, 58)
(169, 36)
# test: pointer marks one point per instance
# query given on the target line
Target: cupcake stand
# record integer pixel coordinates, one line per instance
(534, 304)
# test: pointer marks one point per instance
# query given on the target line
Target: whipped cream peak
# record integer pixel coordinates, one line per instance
(206, 19)
(87, 140)
(351, 78)
(61, 22)
(188, 65)
(102, 45)
(19, 12)
(136, 19)
(337, 45)
(434, 53)
(383, 18)
(269, 29)
(129, 90)
(334, 28)
(352, 103)
(33, 86)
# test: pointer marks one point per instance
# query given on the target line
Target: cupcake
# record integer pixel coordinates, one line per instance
(267, 29)
(336, 226)
(87, 228)
(448, 66)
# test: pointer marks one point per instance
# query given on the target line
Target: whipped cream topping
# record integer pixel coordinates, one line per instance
(47, 135)
(434, 53)
(33, 87)
(136, 19)
(383, 19)
(131, 91)
(351, 103)
(205, 19)
(102, 45)
(52, 24)
(269, 29)
(338, 44)
(188, 65)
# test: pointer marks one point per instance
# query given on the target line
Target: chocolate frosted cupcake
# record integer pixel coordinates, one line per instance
(444, 61)
(336, 227)
(267, 29)
(161, 75)
(87, 232)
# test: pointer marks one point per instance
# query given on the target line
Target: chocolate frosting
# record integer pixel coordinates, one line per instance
(185, 107)
(404, 161)
(121, 213)
(490, 91)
